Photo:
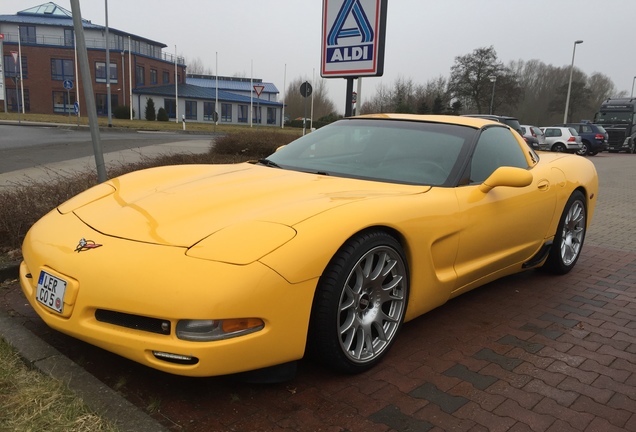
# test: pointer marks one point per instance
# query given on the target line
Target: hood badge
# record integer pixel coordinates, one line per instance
(85, 245)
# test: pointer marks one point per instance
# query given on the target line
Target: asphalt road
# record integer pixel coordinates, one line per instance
(24, 147)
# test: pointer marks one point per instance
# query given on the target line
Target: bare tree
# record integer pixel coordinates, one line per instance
(472, 78)
(296, 105)
(197, 67)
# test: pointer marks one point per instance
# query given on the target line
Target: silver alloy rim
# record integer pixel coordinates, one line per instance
(372, 304)
(573, 232)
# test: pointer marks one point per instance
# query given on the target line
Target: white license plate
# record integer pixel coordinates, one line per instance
(50, 291)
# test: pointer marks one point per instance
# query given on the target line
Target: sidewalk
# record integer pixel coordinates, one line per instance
(48, 171)
(527, 352)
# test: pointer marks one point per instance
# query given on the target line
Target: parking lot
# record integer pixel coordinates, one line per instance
(528, 352)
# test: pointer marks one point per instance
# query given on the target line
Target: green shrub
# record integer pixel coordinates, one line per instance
(162, 115)
(122, 112)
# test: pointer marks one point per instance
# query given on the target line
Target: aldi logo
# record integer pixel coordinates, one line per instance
(353, 38)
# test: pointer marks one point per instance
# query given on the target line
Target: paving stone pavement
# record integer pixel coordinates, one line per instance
(530, 352)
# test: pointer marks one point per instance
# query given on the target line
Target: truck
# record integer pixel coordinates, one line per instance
(618, 118)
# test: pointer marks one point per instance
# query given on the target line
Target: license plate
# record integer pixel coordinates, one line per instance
(50, 291)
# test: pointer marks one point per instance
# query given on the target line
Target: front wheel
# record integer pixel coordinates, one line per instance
(360, 303)
(568, 240)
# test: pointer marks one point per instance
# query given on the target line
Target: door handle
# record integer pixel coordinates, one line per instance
(543, 185)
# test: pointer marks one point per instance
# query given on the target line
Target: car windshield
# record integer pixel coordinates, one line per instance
(610, 117)
(537, 131)
(394, 151)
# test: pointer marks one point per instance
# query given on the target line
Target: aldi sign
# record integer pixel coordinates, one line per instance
(353, 34)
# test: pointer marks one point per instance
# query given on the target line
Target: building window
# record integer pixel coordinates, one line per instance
(10, 69)
(100, 72)
(256, 114)
(271, 116)
(170, 106)
(166, 77)
(27, 34)
(242, 113)
(14, 100)
(153, 76)
(101, 101)
(140, 77)
(62, 69)
(69, 37)
(208, 111)
(191, 110)
(61, 104)
(226, 112)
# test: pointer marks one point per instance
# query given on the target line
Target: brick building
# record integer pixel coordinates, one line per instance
(45, 37)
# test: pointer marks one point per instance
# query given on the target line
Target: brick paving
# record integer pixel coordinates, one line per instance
(530, 352)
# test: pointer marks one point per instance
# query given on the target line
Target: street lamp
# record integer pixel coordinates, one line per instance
(634, 80)
(493, 80)
(567, 99)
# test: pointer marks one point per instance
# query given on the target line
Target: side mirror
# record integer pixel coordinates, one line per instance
(507, 176)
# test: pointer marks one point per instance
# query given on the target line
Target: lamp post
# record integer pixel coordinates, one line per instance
(633, 81)
(493, 80)
(567, 99)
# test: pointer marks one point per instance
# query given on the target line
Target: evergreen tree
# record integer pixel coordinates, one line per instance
(150, 110)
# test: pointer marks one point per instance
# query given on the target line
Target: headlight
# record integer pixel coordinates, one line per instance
(211, 330)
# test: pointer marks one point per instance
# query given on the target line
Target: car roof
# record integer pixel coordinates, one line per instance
(476, 122)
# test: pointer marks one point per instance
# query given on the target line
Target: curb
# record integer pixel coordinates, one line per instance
(100, 398)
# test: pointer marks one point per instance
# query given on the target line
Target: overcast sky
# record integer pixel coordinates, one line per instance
(282, 38)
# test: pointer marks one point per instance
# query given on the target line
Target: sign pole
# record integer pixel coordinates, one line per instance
(3, 92)
(349, 98)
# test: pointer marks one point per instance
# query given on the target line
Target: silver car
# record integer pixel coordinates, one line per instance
(534, 136)
(562, 139)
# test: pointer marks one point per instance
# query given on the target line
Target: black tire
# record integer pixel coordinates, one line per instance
(584, 150)
(559, 148)
(569, 237)
(594, 153)
(360, 303)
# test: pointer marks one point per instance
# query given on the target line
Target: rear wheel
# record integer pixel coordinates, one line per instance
(584, 150)
(360, 303)
(559, 148)
(569, 237)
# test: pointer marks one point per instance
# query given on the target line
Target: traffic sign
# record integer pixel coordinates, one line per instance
(68, 84)
(259, 89)
(305, 89)
(76, 107)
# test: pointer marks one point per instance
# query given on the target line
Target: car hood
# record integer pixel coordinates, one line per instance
(181, 205)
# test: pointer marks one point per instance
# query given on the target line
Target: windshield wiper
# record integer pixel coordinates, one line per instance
(269, 163)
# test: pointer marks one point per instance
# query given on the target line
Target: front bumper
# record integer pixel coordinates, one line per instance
(161, 283)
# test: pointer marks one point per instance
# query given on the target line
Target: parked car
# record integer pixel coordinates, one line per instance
(326, 246)
(593, 137)
(562, 139)
(513, 122)
(534, 136)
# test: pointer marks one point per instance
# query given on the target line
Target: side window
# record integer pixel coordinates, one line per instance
(496, 147)
(585, 128)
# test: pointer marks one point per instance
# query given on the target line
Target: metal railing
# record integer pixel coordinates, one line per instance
(98, 43)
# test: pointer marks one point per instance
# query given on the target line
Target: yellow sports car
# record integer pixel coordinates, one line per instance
(327, 246)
